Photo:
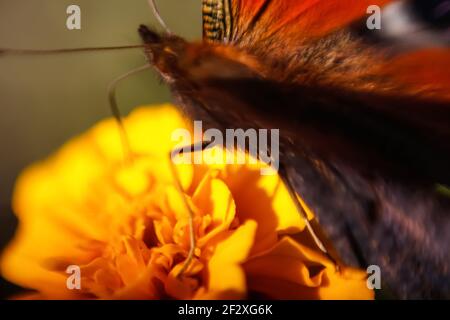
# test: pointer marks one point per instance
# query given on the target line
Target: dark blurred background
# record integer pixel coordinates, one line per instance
(45, 100)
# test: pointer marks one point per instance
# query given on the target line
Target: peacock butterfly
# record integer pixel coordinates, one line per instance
(364, 131)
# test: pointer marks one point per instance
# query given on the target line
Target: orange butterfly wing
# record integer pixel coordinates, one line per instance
(307, 18)
(423, 72)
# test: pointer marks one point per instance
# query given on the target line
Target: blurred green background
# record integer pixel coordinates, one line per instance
(45, 100)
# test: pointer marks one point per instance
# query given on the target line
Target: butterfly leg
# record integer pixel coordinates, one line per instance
(285, 177)
(200, 146)
(116, 112)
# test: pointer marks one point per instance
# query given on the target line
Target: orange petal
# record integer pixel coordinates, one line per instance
(292, 271)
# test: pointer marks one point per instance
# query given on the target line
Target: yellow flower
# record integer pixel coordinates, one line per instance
(125, 226)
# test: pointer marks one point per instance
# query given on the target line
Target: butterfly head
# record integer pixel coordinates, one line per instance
(163, 51)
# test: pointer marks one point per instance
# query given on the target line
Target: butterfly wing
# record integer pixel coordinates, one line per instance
(315, 34)
(242, 20)
(423, 72)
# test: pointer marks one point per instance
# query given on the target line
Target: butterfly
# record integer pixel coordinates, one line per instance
(364, 129)
(364, 133)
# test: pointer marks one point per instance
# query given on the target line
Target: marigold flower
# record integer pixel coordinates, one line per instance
(125, 226)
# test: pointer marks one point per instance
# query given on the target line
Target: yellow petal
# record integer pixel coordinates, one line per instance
(285, 261)
(225, 270)
(265, 200)
(348, 284)
(214, 198)
(290, 270)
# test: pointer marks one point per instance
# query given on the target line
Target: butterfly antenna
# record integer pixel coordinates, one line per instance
(156, 13)
(10, 51)
(301, 209)
(116, 112)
